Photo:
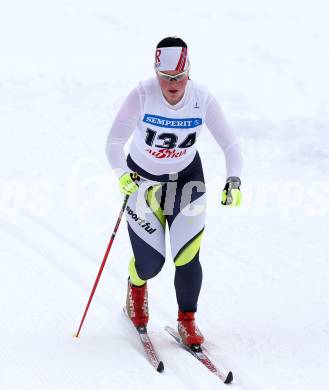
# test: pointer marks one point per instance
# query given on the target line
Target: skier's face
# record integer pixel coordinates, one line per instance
(173, 90)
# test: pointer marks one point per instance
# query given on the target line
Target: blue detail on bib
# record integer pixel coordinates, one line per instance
(173, 123)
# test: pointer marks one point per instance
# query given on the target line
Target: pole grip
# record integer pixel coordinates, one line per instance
(135, 176)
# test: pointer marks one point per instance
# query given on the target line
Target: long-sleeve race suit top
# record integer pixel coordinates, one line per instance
(165, 135)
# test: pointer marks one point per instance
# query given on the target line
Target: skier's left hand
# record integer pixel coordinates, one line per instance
(231, 195)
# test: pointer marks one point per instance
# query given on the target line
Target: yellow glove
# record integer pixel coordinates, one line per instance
(127, 183)
(231, 195)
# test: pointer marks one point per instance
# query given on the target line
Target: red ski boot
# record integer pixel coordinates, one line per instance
(137, 304)
(188, 330)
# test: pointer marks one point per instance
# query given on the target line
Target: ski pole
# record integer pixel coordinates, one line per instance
(135, 177)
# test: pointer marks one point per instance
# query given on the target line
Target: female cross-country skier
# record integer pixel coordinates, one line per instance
(165, 115)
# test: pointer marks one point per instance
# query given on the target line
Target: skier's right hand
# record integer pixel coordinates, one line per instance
(127, 183)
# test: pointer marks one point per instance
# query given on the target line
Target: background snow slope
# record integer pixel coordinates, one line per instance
(65, 68)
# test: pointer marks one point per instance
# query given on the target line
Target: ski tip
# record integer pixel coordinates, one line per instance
(160, 367)
(229, 378)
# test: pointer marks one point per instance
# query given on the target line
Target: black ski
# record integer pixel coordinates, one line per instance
(149, 349)
(200, 355)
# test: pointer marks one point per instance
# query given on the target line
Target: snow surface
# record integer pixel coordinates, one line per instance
(65, 68)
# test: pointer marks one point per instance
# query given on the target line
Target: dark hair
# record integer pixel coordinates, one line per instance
(171, 42)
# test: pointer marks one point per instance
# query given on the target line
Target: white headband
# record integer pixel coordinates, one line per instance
(171, 58)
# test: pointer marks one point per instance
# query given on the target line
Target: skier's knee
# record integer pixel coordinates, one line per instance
(190, 252)
(150, 268)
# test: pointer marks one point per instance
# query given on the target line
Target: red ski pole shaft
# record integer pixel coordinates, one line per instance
(103, 263)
